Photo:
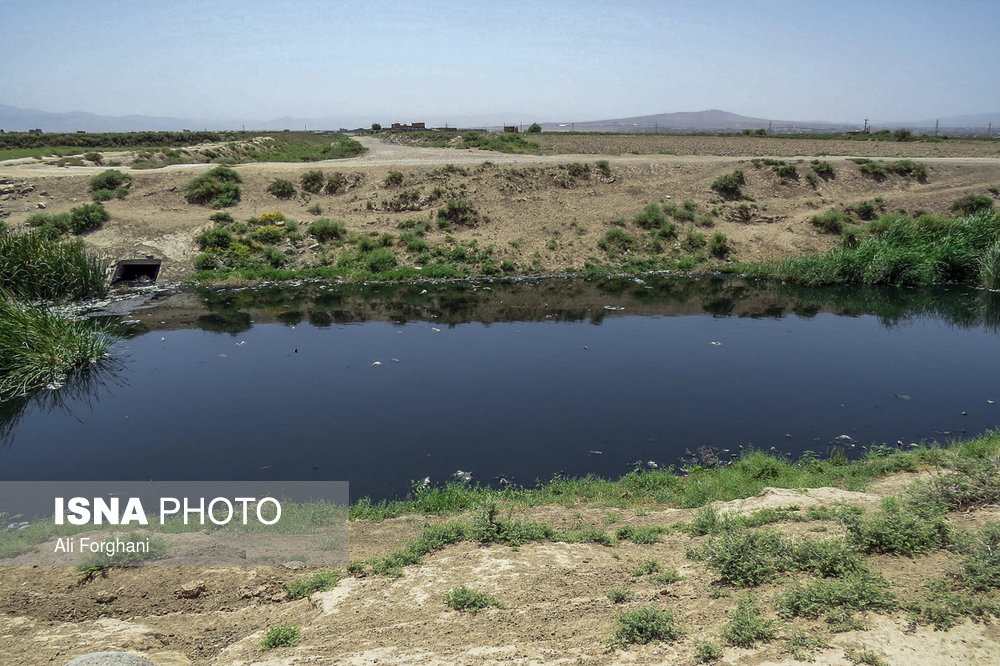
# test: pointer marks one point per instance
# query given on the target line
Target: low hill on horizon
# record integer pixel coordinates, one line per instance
(15, 119)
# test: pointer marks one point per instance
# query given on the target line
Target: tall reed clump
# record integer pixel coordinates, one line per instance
(989, 267)
(36, 267)
(902, 250)
(39, 347)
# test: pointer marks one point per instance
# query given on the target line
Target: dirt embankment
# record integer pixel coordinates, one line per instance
(535, 214)
(557, 608)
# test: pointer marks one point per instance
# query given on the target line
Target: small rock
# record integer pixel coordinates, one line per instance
(105, 597)
(294, 564)
(191, 590)
(110, 659)
(40, 204)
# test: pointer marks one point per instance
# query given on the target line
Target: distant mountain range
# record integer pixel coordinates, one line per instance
(19, 120)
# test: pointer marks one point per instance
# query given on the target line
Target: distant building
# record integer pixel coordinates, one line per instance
(34, 131)
(403, 127)
(510, 129)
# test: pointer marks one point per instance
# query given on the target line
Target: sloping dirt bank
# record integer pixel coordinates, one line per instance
(555, 597)
(534, 213)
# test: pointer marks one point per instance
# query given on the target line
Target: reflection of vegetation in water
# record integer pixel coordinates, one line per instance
(568, 299)
(955, 305)
(80, 387)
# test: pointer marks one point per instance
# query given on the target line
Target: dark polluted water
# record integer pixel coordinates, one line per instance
(382, 385)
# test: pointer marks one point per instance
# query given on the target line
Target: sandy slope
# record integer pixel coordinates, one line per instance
(536, 218)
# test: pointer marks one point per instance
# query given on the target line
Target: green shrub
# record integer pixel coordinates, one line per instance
(379, 260)
(111, 179)
(312, 181)
(269, 234)
(281, 188)
(747, 559)
(206, 261)
(787, 171)
(221, 217)
(693, 240)
(828, 558)
(971, 204)
(413, 242)
(823, 169)
(903, 135)
(88, 217)
(909, 169)
(318, 582)
(216, 239)
(218, 188)
(603, 167)
(462, 598)
(865, 210)
(616, 241)
(898, 530)
(746, 626)
(730, 185)
(718, 245)
(283, 635)
(706, 652)
(534, 128)
(874, 170)
(458, 211)
(858, 591)
(619, 595)
(981, 565)
(644, 625)
(324, 230)
(394, 179)
(651, 216)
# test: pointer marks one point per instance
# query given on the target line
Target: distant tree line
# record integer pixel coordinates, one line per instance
(113, 139)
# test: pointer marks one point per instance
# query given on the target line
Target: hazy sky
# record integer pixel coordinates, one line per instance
(503, 60)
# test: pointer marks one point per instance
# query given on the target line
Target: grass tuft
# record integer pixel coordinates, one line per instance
(462, 598)
(283, 635)
(644, 625)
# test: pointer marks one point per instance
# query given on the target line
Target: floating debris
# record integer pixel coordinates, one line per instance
(651, 464)
(614, 307)
(427, 480)
(377, 363)
(436, 330)
(715, 343)
(463, 477)
(241, 343)
(901, 396)
(844, 438)
(595, 453)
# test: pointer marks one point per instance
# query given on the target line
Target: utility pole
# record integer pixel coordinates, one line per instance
(936, 123)
(989, 129)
